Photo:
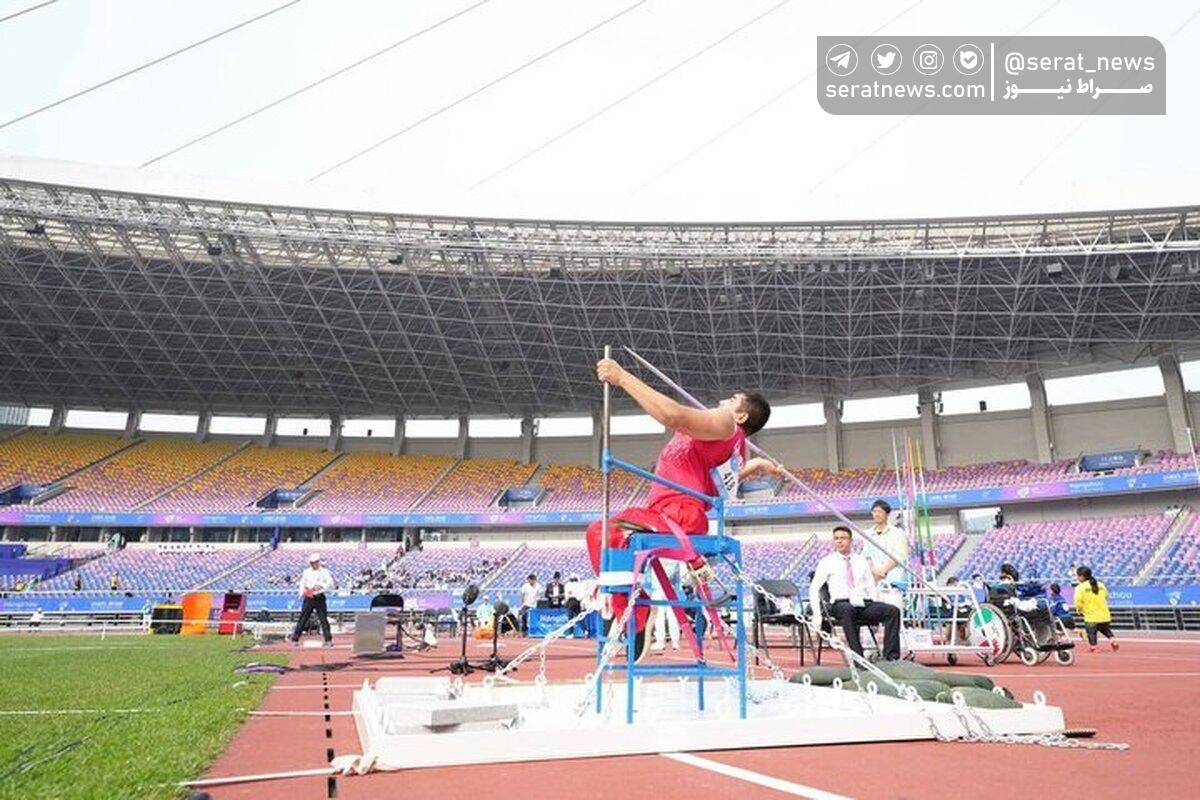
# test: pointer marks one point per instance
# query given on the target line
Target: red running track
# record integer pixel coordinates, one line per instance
(1147, 694)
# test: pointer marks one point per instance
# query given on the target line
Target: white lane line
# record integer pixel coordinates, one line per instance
(297, 687)
(779, 785)
(299, 713)
(1031, 676)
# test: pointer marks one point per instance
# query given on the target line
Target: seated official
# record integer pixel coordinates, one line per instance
(853, 596)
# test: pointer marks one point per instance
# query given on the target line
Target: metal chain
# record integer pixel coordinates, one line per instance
(853, 660)
(980, 732)
(540, 648)
(986, 734)
(611, 648)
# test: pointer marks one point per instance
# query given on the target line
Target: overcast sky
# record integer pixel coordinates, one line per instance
(706, 142)
(734, 133)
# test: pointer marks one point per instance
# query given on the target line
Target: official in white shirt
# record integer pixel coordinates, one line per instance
(853, 596)
(314, 583)
(891, 539)
(531, 592)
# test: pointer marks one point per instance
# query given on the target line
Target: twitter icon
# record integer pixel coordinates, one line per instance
(886, 59)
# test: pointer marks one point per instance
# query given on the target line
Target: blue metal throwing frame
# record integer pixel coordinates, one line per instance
(624, 560)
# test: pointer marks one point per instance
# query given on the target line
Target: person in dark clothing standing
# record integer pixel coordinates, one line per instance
(556, 593)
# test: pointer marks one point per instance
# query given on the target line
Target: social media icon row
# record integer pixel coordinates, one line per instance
(886, 59)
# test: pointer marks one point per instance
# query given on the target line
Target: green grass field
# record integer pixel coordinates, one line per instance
(184, 684)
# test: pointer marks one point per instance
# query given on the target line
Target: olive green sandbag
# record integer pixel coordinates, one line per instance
(881, 687)
(907, 671)
(964, 679)
(912, 671)
(928, 690)
(822, 676)
(975, 697)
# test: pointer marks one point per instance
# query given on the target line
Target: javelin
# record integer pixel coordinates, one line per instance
(787, 474)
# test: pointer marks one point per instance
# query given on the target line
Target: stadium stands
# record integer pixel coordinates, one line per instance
(1114, 547)
(37, 457)
(152, 568)
(445, 567)
(475, 484)
(138, 474)
(847, 483)
(864, 482)
(573, 487)
(544, 562)
(280, 569)
(1181, 562)
(375, 483)
(945, 545)
(234, 485)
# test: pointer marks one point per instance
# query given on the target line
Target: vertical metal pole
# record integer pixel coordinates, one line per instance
(606, 410)
(604, 512)
(743, 688)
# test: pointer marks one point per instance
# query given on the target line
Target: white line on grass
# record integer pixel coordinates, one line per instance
(778, 784)
(50, 712)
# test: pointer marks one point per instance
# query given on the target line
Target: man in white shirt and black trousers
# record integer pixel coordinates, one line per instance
(314, 583)
(853, 597)
(531, 592)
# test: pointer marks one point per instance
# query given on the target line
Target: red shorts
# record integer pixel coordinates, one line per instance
(687, 515)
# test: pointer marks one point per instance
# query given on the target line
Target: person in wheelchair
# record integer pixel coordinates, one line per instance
(853, 596)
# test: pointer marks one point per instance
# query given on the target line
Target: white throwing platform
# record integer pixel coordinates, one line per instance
(405, 726)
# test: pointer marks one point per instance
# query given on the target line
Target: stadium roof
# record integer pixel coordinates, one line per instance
(123, 299)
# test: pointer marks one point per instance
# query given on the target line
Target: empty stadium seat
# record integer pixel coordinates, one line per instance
(39, 458)
(138, 474)
(375, 483)
(1114, 547)
(234, 485)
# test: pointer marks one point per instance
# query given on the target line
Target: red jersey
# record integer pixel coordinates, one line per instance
(688, 462)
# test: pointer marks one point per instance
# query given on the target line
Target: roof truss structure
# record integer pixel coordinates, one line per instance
(121, 300)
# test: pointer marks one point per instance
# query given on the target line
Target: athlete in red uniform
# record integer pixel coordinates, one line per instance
(704, 439)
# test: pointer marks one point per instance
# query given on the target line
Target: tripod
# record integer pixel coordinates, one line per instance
(495, 663)
(461, 666)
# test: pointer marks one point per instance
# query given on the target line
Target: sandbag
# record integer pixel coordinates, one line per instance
(967, 679)
(928, 690)
(822, 676)
(908, 671)
(912, 671)
(881, 687)
(976, 697)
